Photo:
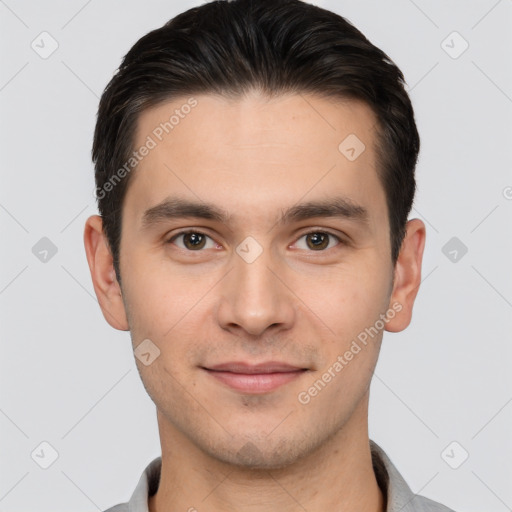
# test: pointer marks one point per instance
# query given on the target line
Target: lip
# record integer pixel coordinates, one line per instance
(255, 379)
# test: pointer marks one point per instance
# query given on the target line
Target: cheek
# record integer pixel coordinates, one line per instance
(339, 387)
(174, 311)
(160, 297)
(348, 298)
(353, 310)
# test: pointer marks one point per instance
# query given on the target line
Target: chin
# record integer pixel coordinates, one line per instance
(261, 454)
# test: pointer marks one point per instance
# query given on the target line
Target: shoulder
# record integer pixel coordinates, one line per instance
(399, 496)
(147, 486)
(122, 507)
(422, 504)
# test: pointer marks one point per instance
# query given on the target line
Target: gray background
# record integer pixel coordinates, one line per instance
(69, 379)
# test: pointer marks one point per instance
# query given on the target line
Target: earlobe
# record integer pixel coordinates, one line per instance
(106, 286)
(407, 275)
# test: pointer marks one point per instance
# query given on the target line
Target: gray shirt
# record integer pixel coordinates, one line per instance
(399, 497)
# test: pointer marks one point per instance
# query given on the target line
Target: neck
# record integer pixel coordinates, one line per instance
(338, 476)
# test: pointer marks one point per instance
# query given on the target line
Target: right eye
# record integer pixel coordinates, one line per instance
(192, 241)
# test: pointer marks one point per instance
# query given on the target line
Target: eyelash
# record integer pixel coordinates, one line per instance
(315, 231)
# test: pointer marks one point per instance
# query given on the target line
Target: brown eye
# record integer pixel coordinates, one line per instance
(317, 241)
(192, 241)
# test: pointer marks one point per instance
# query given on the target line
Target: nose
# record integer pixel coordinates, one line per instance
(255, 298)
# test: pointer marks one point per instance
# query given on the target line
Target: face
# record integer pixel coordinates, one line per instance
(256, 258)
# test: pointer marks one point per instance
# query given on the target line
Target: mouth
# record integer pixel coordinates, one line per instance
(254, 379)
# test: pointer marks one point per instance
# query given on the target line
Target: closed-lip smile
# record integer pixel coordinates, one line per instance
(254, 378)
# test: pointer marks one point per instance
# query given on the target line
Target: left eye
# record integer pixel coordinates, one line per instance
(193, 241)
(317, 241)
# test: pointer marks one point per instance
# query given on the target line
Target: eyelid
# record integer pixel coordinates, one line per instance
(187, 231)
(327, 231)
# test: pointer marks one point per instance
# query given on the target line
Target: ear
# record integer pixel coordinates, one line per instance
(407, 275)
(103, 274)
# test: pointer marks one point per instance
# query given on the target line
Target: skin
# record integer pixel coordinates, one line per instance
(254, 158)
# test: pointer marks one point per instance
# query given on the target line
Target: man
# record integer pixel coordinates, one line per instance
(255, 171)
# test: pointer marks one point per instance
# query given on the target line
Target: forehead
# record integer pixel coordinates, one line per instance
(255, 152)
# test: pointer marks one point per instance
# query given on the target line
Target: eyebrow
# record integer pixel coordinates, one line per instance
(177, 208)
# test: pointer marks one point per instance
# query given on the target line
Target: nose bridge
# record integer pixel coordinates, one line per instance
(254, 283)
(253, 298)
